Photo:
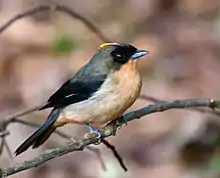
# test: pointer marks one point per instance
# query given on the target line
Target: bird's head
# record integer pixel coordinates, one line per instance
(114, 55)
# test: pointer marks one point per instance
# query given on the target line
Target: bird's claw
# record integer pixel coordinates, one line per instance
(99, 133)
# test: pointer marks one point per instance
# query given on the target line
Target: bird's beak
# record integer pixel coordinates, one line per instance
(139, 53)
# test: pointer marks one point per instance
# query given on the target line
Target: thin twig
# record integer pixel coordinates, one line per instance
(109, 130)
(4, 133)
(7, 148)
(1, 146)
(115, 153)
(150, 98)
(25, 112)
(91, 26)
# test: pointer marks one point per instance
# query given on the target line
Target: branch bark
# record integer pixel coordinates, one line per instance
(107, 131)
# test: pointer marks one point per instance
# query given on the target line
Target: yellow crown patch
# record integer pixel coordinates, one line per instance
(106, 44)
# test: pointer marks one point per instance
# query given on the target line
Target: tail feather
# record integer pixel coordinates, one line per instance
(41, 135)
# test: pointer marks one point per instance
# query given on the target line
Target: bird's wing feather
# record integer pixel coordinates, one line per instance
(75, 90)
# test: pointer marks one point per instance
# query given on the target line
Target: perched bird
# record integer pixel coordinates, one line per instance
(97, 94)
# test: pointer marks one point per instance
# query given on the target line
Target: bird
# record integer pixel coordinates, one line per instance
(99, 92)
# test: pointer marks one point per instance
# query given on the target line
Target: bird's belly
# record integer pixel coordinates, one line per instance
(99, 111)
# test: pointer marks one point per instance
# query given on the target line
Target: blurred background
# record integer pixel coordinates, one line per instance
(40, 52)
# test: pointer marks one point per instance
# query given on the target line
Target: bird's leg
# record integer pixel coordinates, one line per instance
(99, 133)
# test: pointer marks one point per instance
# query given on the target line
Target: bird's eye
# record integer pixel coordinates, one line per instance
(120, 58)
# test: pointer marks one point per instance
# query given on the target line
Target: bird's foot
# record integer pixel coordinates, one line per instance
(99, 133)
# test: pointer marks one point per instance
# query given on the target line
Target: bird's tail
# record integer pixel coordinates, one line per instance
(41, 135)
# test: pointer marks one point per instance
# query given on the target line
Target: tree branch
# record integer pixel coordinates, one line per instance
(91, 26)
(167, 105)
(201, 110)
(107, 131)
(61, 134)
